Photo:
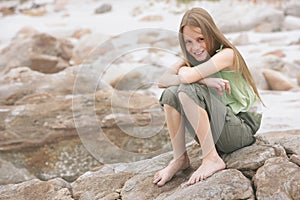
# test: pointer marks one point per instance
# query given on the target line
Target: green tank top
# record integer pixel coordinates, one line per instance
(242, 97)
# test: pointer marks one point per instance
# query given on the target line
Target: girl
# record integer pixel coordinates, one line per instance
(212, 94)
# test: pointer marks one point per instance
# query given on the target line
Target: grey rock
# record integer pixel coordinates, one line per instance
(104, 8)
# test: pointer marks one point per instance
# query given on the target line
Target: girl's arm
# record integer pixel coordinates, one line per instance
(221, 60)
(170, 77)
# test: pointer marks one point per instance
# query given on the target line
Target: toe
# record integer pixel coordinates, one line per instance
(198, 179)
(156, 178)
(161, 182)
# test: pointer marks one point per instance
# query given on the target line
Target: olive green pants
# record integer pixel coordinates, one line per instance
(230, 132)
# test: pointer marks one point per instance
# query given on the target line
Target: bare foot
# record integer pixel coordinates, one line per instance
(166, 174)
(208, 167)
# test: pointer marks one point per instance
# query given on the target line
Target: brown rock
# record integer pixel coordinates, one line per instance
(151, 18)
(277, 53)
(277, 81)
(44, 63)
(20, 50)
(90, 48)
(26, 32)
(252, 157)
(95, 185)
(40, 11)
(81, 32)
(226, 184)
(135, 188)
(36, 189)
(289, 140)
(8, 10)
(277, 179)
(298, 79)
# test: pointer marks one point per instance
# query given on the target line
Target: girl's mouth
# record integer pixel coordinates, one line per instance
(199, 53)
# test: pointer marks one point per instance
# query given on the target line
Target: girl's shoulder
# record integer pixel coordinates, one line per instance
(225, 56)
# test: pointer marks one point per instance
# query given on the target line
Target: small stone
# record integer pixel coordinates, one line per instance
(104, 8)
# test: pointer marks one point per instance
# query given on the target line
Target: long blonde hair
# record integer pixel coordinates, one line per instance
(199, 17)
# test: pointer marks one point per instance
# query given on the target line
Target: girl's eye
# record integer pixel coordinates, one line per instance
(200, 39)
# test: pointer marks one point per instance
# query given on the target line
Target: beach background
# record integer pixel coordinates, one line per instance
(89, 68)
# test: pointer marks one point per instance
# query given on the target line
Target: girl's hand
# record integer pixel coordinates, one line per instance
(218, 84)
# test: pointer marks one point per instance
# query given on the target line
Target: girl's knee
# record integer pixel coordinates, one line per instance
(183, 97)
(170, 93)
(170, 97)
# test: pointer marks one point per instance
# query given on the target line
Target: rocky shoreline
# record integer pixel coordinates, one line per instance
(65, 133)
(268, 169)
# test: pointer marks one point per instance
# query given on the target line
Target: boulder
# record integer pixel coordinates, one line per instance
(277, 81)
(249, 159)
(226, 184)
(89, 48)
(95, 185)
(277, 179)
(37, 189)
(269, 20)
(289, 140)
(9, 173)
(41, 49)
(291, 23)
(292, 8)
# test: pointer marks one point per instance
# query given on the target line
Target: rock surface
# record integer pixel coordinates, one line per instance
(277, 179)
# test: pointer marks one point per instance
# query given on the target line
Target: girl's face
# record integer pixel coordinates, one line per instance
(195, 42)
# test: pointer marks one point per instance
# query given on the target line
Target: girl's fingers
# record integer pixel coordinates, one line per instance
(227, 86)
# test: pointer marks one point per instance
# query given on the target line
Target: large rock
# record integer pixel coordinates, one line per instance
(292, 8)
(277, 179)
(36, 189)
(226, 184)
(289, 140)
(139, 78)
(95, 185)
(19, 83)
(291, 23)
(89, 48)
(30, 50)
(9, 173)
(269, 19)
(277, 81)
(135, 188)
(249, 159)
(53, 148)
(47, 64)
(258, 66)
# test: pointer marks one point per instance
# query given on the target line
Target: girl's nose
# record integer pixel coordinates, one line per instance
(196, 46)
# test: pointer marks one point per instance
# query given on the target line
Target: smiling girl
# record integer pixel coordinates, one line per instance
(211, 93)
